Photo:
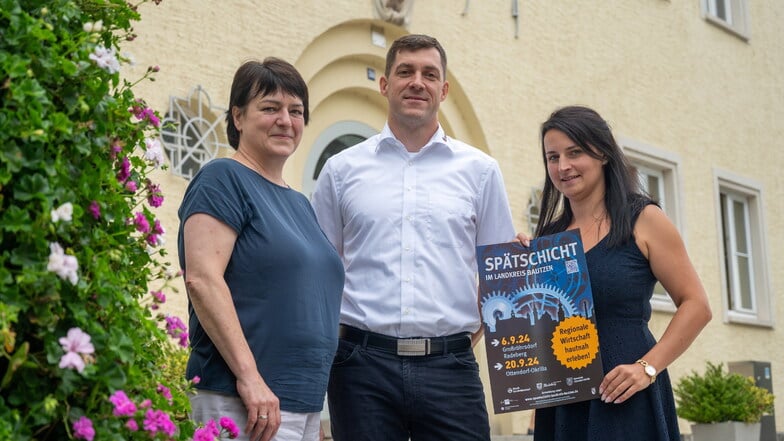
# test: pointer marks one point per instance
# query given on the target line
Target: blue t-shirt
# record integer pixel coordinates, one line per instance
(286, 281)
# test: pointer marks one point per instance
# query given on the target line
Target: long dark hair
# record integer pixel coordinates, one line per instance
(256, 78)
(623, 198)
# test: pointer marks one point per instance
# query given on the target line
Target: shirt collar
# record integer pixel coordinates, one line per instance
(386, 137)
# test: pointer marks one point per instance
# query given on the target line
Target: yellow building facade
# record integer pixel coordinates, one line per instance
(693, 89)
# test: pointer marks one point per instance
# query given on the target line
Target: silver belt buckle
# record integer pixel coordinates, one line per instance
(412, 347)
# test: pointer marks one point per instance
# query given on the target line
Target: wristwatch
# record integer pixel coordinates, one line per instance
(649, 370)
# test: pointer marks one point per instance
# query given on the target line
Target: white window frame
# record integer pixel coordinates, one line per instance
(737, 16)
(664, 165)
(749, 192)
(329, 134)
(193, 132)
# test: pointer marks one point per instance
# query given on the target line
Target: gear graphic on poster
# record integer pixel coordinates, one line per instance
(496, 306)
(536, 300)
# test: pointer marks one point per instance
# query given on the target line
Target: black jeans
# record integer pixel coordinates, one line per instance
(377, 396)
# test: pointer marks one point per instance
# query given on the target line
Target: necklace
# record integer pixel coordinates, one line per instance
(257, 167)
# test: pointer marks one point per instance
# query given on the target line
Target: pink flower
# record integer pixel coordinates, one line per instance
(158, 421)
(74, 343)
(157, 227)
(212, 427)
(106, 59)
(203, 434)
(158, 296)
(196, 379)
(154, 239)
(115, 149)
(77, 340)
(95, 210)
(132, 425)
(131, 186)
(153, 151)
(71, 360)
(125, 170)
(123, 406)
(155, 197)
(230, 426)
(165, 391)
(83, 429)
(141, 222)
(146, 403)
(145, 113)
(177, 329)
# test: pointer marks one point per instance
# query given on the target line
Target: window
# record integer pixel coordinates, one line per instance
(337, 145)
(657, 173)
(331, 141)
(731, 15)
(192, 132)
(745, 284)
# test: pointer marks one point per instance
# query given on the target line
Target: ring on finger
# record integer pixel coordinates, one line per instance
(263, 417)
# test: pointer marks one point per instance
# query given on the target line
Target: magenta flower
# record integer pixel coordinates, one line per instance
(131, 186)
(141, 112)
(83, 429)
(207, 433)
(155, 197)
(158, 421)
(95, 210)
(76, 342)
(141, 222)
(154, 239)
(157, 227)
(115, 149)
(196, 379)
(132, 425)
(177, 329)
(123, 406)
(165, 392)
(125, 170)
(230, 426)
(158, 296)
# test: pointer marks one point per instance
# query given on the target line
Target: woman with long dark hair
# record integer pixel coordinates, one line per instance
(630, 244)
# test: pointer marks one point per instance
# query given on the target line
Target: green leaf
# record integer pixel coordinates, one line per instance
(31, 187)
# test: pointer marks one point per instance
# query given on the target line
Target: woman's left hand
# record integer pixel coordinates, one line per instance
(622, 382)
(524, 239)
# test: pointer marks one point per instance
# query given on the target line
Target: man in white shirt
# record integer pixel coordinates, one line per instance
(405, 210)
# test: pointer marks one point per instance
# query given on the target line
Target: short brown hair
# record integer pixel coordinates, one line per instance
(256, 78)
(414, 42)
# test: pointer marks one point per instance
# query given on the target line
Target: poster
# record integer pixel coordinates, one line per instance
(540, 331)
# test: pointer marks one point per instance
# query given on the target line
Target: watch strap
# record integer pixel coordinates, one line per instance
(646, 367)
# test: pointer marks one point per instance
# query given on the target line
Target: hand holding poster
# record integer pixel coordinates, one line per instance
(540, 330)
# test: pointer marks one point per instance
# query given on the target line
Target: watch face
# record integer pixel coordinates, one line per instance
(650, 370)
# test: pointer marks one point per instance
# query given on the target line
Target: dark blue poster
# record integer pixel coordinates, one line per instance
(540, 331)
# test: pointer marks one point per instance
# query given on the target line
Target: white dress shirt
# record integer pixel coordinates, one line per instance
(406, 226)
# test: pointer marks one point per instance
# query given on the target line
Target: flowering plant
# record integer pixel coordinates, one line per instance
(84, 353)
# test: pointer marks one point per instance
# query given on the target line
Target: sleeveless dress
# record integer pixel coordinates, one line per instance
(622, 284)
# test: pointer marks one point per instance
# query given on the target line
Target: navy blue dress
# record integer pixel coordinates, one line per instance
(622, 284)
